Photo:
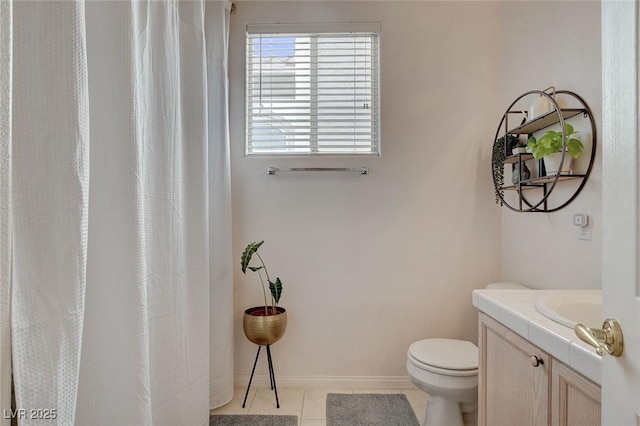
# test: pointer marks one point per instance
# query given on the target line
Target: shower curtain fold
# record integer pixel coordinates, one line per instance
(221, 296)
(120, 211)
(6, 53)
(49, 205)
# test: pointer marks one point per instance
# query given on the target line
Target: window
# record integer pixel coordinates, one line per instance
(313, 89)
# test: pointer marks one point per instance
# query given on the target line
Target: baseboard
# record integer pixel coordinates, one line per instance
(329, 382)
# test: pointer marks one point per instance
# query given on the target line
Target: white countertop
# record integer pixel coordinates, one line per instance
(516, 310)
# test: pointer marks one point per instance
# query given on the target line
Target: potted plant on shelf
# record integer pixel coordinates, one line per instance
(549, 147)
(520, 147)
(500, 147)
(263, 325)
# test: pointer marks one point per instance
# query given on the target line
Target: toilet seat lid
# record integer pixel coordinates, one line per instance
(449, 354)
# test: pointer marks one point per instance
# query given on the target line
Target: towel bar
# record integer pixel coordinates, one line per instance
(361, 170)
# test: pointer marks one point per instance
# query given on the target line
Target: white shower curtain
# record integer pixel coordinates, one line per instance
(120, 211)
(6, 18)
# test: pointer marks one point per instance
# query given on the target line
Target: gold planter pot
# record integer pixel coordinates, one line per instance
(264, 329)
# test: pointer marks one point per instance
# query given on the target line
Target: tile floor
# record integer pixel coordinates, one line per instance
(308, 404)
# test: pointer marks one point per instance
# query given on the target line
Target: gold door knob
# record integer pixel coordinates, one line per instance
(609, 340)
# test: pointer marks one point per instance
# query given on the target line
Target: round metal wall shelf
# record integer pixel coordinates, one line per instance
(538, 188)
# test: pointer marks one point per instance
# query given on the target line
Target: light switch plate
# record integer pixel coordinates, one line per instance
(580, 219)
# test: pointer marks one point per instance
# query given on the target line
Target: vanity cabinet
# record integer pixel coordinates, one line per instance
(575, 400)
(520, 384)
(511, 390)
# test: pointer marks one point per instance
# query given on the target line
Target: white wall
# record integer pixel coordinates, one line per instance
(373, 263)
(545, 44)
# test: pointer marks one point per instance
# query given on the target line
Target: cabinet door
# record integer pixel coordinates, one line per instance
(575, 399)
(512, 391)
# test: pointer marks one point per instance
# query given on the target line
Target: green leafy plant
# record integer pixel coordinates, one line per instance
(519, 144)
(497, 161)
(551, 142)
(275, 287)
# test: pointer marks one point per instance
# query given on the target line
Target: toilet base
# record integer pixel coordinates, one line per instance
(441, 411)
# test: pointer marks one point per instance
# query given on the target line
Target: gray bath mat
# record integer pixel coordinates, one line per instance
(369, 410)
(252, 420)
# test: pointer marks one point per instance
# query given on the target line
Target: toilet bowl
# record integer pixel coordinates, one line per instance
(447, 370)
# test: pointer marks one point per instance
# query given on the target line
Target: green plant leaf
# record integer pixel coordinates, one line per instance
(568, 129)
(254, 268)
(248, 252)
(574, 148)
(534, 146)
(276, 289)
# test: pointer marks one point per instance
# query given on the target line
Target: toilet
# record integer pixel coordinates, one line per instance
(447, 370)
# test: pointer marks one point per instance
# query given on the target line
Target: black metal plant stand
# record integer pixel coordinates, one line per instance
(272, 376)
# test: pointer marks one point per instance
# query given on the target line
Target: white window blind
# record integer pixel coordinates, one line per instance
(312, 92)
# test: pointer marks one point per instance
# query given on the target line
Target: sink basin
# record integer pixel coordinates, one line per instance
(570, 310)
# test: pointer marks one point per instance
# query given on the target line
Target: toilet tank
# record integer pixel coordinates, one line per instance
(507, 285)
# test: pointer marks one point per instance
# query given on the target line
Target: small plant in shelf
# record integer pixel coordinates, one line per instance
(500, 147)
(549, 147)
(551, 142)
(519, 148)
